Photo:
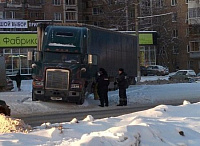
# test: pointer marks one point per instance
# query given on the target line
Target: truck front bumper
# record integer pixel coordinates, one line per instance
(65, 95)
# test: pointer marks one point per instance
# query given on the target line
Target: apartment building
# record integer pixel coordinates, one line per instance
(169, 19)
(194, 33)
(175, 21)
(18, 25)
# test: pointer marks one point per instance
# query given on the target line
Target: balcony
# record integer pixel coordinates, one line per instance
(13, 5)
(194, 12)
(195, 55)
(35, 6)
(71, 7)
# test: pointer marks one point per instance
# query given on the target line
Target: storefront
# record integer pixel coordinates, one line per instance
(15, 47)
(147, 44)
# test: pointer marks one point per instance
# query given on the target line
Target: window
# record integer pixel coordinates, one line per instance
(70, 2)
(175, 50)
(96, 11)
(57, 16)
(175, 33)
(1, 15)
(186, 1)
(173, 2)
(188, 49)
(194, 12)
(56, 2)
(190, 64)
(174, 17)
(186, 20)
(16, 60)
(159, 3)
(12, 14)
(194, 46)
(71, 15)
(187, 32)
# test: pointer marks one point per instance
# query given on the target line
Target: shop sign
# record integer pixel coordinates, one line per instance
(18, 40)
(13, 24)
(146, 39)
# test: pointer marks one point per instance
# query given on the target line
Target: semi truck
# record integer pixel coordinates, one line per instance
(68, 57)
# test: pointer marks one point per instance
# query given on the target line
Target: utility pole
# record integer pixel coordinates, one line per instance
(138, 47)
(64, 13)
(126, 15)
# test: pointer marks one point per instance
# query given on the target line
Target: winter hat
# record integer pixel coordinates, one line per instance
(121, 69)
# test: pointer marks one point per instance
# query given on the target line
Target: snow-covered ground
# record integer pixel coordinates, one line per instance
(21, 104)
(159, 126)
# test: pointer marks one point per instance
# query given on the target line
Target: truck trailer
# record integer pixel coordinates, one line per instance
(68, 57)
(3, 82)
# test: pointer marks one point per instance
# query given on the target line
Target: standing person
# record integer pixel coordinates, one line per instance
(102, 87)
(18, 81)
(122, 84)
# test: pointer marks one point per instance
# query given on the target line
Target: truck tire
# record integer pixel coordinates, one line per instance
(34, 97)
(82, 99)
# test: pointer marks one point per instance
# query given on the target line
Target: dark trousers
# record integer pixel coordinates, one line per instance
(122, 96)
(19, 85)
(103, 97)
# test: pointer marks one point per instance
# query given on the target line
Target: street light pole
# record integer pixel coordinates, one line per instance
(64, 13)
(138, 47)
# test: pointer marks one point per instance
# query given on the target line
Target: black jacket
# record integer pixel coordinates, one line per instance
(18, 78)
(122, 81)
(102, 82)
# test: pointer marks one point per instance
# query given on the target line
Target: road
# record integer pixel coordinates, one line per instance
(37, 120)
(140, 97)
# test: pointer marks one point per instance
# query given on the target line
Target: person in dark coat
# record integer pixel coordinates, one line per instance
(102, 87)
(18, 81)
(122, 84)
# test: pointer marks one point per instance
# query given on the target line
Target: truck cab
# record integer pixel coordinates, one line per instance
(61, 65)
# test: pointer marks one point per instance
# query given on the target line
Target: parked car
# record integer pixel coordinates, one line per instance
(143, 71)
(166, 70)
(182, 75)
(196, 78)
(10, 84)
(4, 108)
(156, 70)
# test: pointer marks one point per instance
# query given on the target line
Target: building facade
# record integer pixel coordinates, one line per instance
(175, 21)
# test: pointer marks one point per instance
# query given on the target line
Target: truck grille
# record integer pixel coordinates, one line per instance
(57, 79)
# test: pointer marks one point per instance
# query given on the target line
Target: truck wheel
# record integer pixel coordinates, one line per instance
(34, 97)
(81, 101)
(82, 98)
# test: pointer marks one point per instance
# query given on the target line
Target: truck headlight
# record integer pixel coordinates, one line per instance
(76, 86)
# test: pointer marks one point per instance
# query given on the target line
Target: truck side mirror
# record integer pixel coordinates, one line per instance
(37, 56)
(92, 59)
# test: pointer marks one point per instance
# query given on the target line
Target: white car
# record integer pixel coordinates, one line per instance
(155, 70)
(182, 75)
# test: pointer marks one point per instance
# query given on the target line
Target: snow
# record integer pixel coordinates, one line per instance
(158, 126)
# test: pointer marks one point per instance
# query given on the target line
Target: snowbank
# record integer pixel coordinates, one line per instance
(9, 125)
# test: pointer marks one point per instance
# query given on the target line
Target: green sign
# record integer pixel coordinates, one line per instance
(146, 39)
(18, 40)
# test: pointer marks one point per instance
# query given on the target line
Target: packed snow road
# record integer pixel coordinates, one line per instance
(138, 95)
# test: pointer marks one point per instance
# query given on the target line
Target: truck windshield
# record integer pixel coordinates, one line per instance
(52, 57)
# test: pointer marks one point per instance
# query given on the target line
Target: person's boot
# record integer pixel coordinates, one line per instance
(102, 104)
(125, 103)
(120, 103)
